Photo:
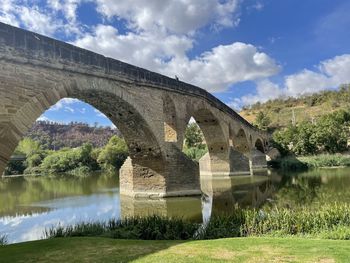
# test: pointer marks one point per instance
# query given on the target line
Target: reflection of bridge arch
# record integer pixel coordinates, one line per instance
(149, 109)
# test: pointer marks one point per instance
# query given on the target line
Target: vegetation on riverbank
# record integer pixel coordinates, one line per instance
(281, 112)
(330, 221)
(77, 161)
(329, 134)
(92, 249)
(315, 161)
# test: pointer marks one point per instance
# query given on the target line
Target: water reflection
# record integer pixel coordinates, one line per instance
(185, 207)
(223, 195)
(29, 205)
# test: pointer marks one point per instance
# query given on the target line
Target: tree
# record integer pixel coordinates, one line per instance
(262, 121)
(193, 136)
(28, 147)
(113, 155)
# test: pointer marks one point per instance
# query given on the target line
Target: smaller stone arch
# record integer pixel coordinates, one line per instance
(239, 149)
(259, 146)
(240, 142)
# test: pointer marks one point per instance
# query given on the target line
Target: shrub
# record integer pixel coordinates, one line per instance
(195, 153)
(3, 240)
(113, 155)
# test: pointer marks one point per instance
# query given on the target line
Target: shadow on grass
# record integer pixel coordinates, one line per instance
(82, 249)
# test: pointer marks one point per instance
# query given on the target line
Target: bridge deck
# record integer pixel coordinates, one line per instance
(29, 46)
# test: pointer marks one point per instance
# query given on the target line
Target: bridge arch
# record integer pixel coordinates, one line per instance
(259, 145)
(241, 142)
(136, 131)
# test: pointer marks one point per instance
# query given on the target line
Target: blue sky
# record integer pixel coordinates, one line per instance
(242, 51)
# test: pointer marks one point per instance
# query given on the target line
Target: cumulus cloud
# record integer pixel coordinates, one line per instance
(43, 118)
(53, 17)
(142, 49)
(329, 74)
(64, 104)
(214, 70)
(224, 66)
(181, 17)
(161, 34)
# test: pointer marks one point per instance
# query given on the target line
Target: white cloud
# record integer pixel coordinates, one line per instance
(214, 70)
(223, 66)
(41, 18)
(180, 17)
(63, 104)
(43, 118)
(99, 114)
(329, 74)
(144, 49)
(265, 90)
(36, 21)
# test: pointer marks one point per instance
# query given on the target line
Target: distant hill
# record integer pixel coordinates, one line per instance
(305, 108)
(55, 135)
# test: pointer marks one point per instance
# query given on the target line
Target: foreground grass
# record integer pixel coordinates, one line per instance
(90, 249)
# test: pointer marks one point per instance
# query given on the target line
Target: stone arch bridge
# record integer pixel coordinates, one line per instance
(151, 111)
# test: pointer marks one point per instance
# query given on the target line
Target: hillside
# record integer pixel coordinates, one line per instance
(55, 135)
(305, 108)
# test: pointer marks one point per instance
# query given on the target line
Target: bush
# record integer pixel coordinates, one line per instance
(33, 170)
(3, 240)
(15, 167)
(113, 155)
(326, 160)
(66, 160)
(195, 153)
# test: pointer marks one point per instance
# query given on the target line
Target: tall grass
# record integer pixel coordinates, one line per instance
(148, 228)
(329, 221)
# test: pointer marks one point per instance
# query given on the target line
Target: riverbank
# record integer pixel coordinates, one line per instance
(309, 162)
(92, 249)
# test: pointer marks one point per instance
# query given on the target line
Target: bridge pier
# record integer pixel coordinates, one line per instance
(239, 163)
(236, 164)
(174, 175)
(257, 161)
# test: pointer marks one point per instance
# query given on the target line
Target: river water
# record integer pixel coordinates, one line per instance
(29, 205)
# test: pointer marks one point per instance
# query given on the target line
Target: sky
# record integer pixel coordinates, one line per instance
(242, 51)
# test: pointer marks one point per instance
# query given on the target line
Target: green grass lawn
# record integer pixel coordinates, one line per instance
(90, 249)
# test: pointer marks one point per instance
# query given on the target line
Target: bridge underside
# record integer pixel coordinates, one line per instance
(151, 111)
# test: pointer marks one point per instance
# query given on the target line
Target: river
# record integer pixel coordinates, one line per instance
(29, 205)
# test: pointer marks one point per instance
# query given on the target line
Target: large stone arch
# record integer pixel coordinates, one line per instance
(155, 167)
(140, 139)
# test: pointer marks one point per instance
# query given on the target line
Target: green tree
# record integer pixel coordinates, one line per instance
(28, 147)
(193, 136)
(262, 121)
(113, 155)
(332, 131)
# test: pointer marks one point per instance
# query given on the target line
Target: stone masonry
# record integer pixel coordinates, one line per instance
(151, 111)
